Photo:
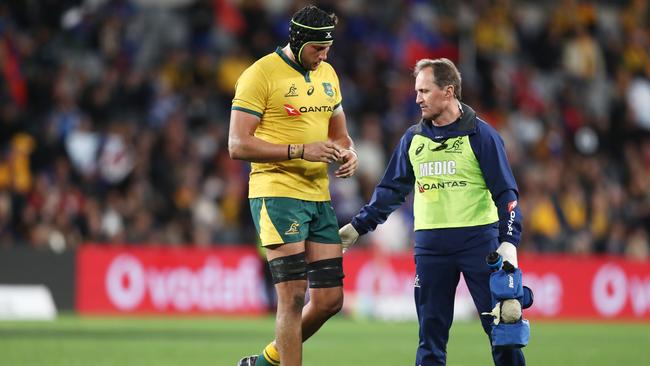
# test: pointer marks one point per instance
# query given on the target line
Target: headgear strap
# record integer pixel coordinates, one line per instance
(301, 35)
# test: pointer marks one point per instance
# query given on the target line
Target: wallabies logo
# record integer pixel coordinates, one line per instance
(456, 147)
(457, 143)
(293, 91)
(293, 229)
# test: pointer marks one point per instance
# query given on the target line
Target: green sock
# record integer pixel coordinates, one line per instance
(269, 356)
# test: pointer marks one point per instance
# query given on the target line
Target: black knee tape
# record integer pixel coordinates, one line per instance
(326, 273)
(289, 268)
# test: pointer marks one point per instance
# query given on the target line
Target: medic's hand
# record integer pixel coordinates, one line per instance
(349, 236)
(508, 252)
(510, 309)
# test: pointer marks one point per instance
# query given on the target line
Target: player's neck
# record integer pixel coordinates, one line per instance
(287, 52)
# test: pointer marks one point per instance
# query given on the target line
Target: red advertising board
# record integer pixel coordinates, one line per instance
(229, 281)
(169, 280)
(587, 287)
(565, 287)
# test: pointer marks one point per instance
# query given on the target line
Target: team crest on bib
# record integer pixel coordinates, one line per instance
(328, 89)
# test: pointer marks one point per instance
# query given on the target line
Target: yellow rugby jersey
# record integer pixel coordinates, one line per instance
(295, 107)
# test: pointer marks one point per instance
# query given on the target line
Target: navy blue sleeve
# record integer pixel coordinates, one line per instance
(391, 191)
(490, 151)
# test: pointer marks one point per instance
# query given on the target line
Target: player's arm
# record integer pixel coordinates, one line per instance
(243, 145)
(338, 134)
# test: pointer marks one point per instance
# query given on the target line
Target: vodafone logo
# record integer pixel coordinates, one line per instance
(125, 282)
(612, 289)
(212, 287)
(291, 111)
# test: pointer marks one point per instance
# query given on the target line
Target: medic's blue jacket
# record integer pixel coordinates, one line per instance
(399, 180)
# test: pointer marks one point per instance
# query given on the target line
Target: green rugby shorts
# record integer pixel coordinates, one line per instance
(281, 220)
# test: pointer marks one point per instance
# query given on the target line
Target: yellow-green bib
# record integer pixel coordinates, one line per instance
(449, 187)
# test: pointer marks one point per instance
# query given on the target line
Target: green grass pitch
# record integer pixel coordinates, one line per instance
(203, 341)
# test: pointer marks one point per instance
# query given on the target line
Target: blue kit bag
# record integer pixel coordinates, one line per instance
(506, 284)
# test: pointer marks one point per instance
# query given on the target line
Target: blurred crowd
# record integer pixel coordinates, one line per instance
(114, 113)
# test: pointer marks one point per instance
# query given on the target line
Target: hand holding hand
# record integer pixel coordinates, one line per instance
(322, 151)
(349, 163)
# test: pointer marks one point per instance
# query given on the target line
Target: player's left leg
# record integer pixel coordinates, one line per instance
(283, 223)
(477, 276)
(324, 269)
(325, 275)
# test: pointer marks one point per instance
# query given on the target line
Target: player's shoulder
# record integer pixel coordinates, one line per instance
(327, 68)
(270, 60)
(264, 65)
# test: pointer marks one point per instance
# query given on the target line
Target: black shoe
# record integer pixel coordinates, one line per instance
(248, 361)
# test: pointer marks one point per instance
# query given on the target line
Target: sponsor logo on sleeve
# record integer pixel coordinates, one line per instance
(512, 215)
(512, 205)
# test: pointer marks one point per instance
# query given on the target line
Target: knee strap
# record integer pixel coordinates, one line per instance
(326, 273)
(289, 268)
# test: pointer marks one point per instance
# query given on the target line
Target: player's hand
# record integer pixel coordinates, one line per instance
(349, 163)
(322, 151)
(349, 236)
(508, 252)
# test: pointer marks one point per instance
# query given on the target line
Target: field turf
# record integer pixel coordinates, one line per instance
(203, 341)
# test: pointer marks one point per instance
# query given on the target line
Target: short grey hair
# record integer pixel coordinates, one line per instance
(444, 73)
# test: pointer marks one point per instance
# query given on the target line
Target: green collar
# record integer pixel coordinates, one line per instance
(293, 64)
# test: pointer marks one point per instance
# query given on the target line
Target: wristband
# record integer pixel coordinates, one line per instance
(296, 151)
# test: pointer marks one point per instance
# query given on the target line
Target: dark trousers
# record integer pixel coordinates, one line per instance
(435, 288)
